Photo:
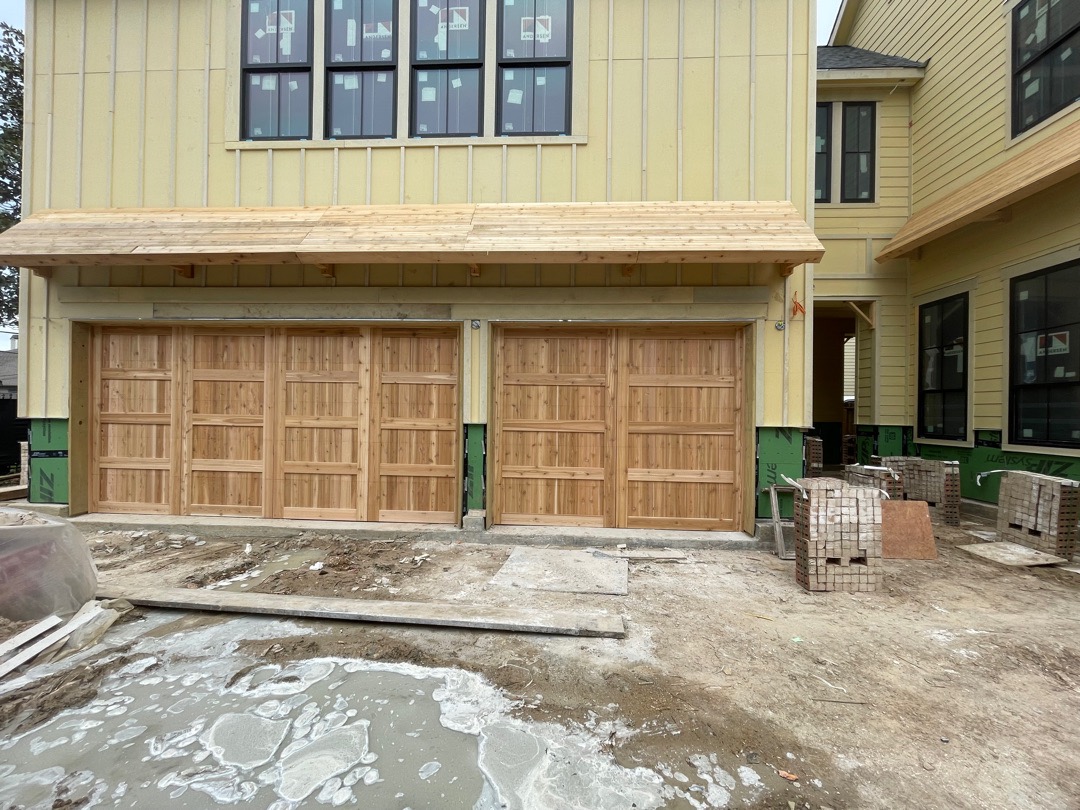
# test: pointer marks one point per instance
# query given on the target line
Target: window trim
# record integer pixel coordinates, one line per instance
(921, 392)
(1012, 386)
(1014, 127)
(330, 68)
(836, 155)
(248, 69)
(502, 62)
(579, 93)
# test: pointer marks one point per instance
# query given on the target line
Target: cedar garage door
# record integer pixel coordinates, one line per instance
(338, 424)
(633, 427)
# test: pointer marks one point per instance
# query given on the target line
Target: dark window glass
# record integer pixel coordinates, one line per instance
(447, 32)
(447, 68)
(823, 154)
(276, 80)
(1046, 60)
(446, 102)
(278, 105)
(361, 79)
(535, 44)
(535, 29)
(943, 338)
(361, 104)
(361, 31)
(857, 159)
(277, 32)
(1044, 377)
(534, 101)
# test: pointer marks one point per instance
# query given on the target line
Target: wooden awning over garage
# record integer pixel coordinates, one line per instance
(1038, 167)
(563, 233)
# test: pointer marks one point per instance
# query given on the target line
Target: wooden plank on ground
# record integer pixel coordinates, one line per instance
(473, 617)
(28, 634)
(13, 493)
(34, 650)
(1012, 554)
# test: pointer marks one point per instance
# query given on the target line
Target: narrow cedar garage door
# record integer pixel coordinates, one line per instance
(635, 427)
(336, 424)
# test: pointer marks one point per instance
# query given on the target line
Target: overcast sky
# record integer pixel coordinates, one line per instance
(12, 12)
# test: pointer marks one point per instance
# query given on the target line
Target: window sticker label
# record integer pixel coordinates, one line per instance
(514, 97)
(285, 20)
(269, 82)
(536, 29)
(427, 94)
(350, 33)
(456, 84)
(351, 82)
(378, 30)
(1053, 343)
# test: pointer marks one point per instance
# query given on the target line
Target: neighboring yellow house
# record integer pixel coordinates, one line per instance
(980, 361)
(545, 263)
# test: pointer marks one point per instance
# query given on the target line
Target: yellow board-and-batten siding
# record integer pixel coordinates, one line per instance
(132, 104)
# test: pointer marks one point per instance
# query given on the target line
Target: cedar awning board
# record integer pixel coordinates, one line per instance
(564, 233)
(1045, 164)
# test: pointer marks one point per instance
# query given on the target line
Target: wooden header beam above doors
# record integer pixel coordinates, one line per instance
(562, 233)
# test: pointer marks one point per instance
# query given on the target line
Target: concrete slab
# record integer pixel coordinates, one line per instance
(565, 571)
(50, 509)
(231, 527)
(1012, 554)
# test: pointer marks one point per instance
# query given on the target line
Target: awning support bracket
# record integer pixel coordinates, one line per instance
(871, 319)
(184, 270)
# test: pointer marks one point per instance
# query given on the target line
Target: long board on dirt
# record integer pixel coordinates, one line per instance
(473, 617)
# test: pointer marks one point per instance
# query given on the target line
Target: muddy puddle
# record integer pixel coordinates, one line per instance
(189, 722)
(289, 561)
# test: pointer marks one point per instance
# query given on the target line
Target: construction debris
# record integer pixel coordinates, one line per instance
(837, 536)
(1040, 512)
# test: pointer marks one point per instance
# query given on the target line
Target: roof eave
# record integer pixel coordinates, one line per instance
(871, 77)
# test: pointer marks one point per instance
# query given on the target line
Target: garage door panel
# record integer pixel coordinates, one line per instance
(127, 350)
(213, 492)
(133, 489)
(659, 499)
(321, 445)
(134, 441)
(136, 396)
(674, 451)
(329, 399)
(553, 501)
(425, 401)
(684, 405)
(224, 443)
(420, 447)
(221, 398)
(415, 499)
(682, 356)
(324, 494)
(324, 351)
(229, 351)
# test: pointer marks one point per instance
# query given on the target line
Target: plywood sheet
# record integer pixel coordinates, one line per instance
(906, 531)
(1012, 554)
(564, 570)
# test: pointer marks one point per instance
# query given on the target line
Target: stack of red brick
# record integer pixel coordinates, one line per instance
(936, 482)
(859, 476)
(837, 536)
(1040, 512)
(814, 457)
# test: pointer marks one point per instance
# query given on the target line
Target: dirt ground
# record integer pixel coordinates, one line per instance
(957, 686)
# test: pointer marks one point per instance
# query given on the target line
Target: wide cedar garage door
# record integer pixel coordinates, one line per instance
(336, 424)
(633, 427)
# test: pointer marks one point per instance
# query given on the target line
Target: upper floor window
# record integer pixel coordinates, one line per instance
(534, 67)
(1045, 60)
(277, 69)
(846, 164)
(943, 392)
(1044, 326)
(342, 69)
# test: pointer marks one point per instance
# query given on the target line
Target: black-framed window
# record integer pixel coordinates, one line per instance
(535, 52)
(845, 146)
(943, 363)
(857, 152)
(447, 61)
(1044, 336)
(276, 69)
(361, 75)
(823, 154)
(1045, 60)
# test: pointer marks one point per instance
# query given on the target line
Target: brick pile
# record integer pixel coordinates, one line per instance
(849, 452)
(837, 536)
(860, 476)
(936, 482)
(814, 452)
(1040, 512)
